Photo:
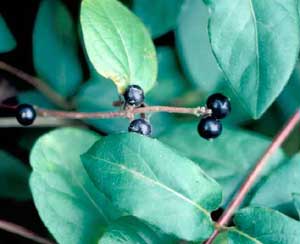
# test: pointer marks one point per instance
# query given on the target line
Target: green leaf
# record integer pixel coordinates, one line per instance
(13, 178)
(287, 181)
(7, 40)
(227, 159)
(268, 226)
(234, 236)
(256, 44)
(69, 204)
(55, 47)
(127, 230)
(150, 181)
(35, 98)
(118, 45)
(296, 198)
(159, 16)
(194, 48)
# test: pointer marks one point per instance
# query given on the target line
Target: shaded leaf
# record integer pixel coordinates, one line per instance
(234, 236)
(35, 98)
(7, 40)
(118, 45)
(256, 44)
(55, 48)
(296, 197)
(69, 204)
(150, 181)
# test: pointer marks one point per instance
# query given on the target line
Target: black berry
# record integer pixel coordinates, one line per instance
(209, 128)
(219, 104)
(25, 114)
(140, 126)
(134, 95)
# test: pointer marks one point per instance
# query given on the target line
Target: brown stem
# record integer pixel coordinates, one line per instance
(245, 187)
(127, 113)
(38, 84)
(21, 231)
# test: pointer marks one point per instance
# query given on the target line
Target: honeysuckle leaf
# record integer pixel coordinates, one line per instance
(14, 176)
(287, 181)
(268, 225)
(256, 43)
(118, 44)
(7, 40)
(235, 236)
(152, 182)
(55, 47)
(159, 16)
(35, 98)
(70, 206)
(227, 159)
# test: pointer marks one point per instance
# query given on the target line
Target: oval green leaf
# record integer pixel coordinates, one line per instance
(118, 44)
(256, 44)
(7, 40)
(67, 201)
(152, 182)
(234, 236)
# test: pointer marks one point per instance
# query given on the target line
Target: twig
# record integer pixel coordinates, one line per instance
(38, 84)
(21, 231)
(245, 187)
(127, 113)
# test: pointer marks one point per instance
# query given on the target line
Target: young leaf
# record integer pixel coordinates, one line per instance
(227, 159)
(194, 48)
(287, 181)
(159, 16)
(55, 48)
(256, 44)
(67, 201)
(7, 41)
(118, 45)
(268, 226)
(234, 236)
(13, 178)
(131, 230)
(296, 197)
(150, 181)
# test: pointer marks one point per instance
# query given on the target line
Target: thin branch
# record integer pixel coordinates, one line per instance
(127, 113)
(21, 231)
(38, 84)
(250, 180)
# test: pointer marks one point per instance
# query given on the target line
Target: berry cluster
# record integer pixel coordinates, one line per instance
(211, 127)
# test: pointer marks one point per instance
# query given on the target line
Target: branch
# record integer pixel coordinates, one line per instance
(21, 231)
(38, 84)
(245, 187)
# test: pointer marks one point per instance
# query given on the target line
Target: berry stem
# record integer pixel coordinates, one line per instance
(245, 187)
(38, 84)
(21, 231)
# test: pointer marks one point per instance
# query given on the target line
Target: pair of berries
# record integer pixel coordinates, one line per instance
(210, 127)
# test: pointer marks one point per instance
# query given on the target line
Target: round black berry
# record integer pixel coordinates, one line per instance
(219, 104)
(25, 114)
(140, 126)
(209, 128)
(134, 95)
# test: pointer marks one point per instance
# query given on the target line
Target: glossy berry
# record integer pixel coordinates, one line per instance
(134, 95)
(140, 126)
(209, 128)
(219, 104)
(25, 114)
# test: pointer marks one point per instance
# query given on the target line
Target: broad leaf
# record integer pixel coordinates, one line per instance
(234, 236)
(227, 159)
(287, 181)
(152, 182)
(256, 44)
(296, 197)
(69, 204)
(268, 226)
(118, 45)
(55, 48)
(127, 230)
(7, 41)
(14, 177)
(194, 48)
(159, 16)
(35, 98)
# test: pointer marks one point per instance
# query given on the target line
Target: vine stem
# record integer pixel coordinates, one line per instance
(21, 231)
(249, 181)
(38, 84)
